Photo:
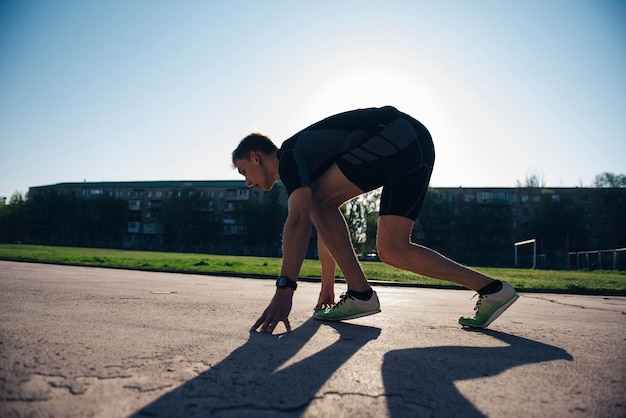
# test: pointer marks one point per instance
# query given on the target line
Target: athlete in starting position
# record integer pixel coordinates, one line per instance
(333, 161)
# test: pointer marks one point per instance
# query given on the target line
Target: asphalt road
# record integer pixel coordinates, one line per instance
(81, 342)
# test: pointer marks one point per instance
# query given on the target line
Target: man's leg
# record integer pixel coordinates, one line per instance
(327, 292)
(360, 299)
(329, 193)
(395, 249)
(332, 227)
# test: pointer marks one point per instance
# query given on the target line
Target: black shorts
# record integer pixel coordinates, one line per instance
(399, 158)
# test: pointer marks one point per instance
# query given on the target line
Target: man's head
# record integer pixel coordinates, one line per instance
(255, 159)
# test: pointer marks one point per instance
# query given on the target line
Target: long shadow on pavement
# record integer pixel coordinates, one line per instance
(251, 382)
(420, 381)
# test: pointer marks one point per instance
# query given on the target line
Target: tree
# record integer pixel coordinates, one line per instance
(13, 219)
(558, 223)
(60, 219)
(76, 220)
(533, 180)
(354, 213)
(361, 214)
(615, 206)
(436, 220)
(262, 221)
(607, 179)
(471, 231)
(187, 221)
(465, 227)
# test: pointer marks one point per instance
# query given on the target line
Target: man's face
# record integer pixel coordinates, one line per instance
(254, 171)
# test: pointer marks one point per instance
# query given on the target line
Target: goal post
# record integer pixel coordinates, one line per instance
(527, 242)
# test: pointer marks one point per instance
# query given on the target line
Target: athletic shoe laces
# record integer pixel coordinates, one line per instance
(343, 298)
(480, 299)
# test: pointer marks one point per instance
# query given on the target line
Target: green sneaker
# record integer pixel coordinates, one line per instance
(490, 307)
(349, 307)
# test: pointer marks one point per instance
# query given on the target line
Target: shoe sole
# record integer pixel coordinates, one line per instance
(359, 315)
(496, 314)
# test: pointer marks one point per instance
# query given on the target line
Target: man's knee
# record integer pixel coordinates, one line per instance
(391, 251)
(393, 239)
(384, 253)
(319, 210)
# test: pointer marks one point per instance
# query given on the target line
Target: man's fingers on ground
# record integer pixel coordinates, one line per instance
(258, 323)
(268, 325)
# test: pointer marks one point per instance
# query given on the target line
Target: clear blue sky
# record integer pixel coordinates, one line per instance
(164, 90)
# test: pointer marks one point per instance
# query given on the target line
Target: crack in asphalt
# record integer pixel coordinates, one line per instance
(570, 304)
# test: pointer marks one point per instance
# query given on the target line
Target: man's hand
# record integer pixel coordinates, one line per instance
(277, 311)
(325, 300)
(296, 234)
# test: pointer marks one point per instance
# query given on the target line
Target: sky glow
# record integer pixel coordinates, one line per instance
(159, 90)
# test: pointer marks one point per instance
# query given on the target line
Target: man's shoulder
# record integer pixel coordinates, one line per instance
(291, 175)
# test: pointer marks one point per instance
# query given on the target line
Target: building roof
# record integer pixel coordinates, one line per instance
(167, 184)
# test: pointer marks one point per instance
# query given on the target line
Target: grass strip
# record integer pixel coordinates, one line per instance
(570, 281)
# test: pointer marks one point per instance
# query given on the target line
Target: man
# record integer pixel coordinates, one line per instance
(333, 161)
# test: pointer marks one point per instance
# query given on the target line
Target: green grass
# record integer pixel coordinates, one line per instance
(596, 282)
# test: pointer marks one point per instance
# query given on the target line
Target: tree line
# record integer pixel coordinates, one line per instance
(186, 221)
(188, 224)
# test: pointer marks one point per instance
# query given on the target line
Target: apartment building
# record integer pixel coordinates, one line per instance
(477, 226)
(597, 211)
(146, 201)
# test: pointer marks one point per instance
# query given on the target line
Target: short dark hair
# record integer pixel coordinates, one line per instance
(253, 142)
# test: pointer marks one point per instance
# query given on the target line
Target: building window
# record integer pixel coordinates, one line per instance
(134, 227)
(93, 192)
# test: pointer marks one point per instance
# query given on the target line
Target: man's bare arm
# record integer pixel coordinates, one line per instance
(296, 234)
